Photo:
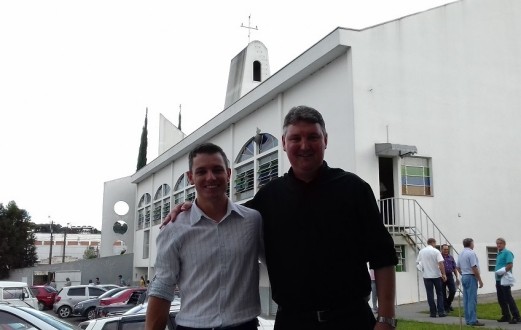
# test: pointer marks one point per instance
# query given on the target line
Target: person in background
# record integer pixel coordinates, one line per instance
(121, 281)
(142, 282)
(504, 264)
(212, 252)
(98, 282)
(310, 214)
(433, 276)
(52, 283)
(90, 282)
(449, 286)
(468, 267)
(67, 282)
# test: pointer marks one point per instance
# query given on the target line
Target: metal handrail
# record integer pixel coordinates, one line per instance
(406, 217)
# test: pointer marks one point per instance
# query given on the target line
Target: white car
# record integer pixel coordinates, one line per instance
(137, 321)
(21, 318)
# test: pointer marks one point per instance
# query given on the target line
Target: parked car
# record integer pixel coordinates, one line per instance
(20, 317)
(121, 302)
(45, 295)
(87, 307)
(136, 321)
(17, 293)
(71, 295)
(130, 295)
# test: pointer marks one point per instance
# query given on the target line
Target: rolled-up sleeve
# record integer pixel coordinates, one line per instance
(166, 266)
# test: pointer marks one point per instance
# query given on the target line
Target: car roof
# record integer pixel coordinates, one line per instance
(12, 283)
(35, 316)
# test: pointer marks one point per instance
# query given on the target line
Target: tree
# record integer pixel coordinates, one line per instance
(142, 156)
(17, 249)
(90, 253)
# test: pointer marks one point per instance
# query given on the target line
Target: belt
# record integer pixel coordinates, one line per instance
(252, 324)
(319, 315)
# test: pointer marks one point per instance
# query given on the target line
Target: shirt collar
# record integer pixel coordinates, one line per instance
(197, 214)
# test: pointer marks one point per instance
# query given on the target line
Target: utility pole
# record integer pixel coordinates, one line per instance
(64, 242)
(50, 247)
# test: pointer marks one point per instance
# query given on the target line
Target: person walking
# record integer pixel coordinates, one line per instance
(449, 286)
(468, 267)
(316, 203)
(504, 264)
(212, 252)
(431, 261)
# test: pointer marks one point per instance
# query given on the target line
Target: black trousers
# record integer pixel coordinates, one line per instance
(449, 296)
(506, 301)
(357, 316)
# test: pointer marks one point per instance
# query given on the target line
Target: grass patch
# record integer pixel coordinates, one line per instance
(488, 311)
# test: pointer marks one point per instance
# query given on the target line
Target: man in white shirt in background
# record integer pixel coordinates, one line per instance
(431, 261)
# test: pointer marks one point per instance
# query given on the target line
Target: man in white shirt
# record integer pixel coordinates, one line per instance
(211, 252)
(431, 261)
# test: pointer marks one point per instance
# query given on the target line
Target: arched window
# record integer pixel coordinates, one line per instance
(161, 203)
(255, 165)
(183, 191)
(143, 211)
(257, 71)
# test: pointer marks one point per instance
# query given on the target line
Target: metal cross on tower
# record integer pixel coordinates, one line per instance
(249, 27)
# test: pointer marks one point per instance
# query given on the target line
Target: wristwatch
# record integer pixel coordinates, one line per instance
(388, 320)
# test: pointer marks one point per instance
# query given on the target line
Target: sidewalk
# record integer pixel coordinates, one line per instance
(419, 312)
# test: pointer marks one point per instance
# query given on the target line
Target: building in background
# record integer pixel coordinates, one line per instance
(425, 108)
(76, 246)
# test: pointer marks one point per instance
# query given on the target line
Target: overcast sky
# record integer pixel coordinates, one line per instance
(77, 76)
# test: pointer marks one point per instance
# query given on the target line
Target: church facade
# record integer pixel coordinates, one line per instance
(425, 108)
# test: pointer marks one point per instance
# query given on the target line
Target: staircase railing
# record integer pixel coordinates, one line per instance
(405, 217)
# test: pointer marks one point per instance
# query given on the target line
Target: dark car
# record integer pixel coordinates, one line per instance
(87, 307)
(45, 295)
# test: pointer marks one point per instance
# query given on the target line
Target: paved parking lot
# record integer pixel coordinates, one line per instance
(72, 320)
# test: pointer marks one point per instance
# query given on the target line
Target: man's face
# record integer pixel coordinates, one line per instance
(445, 250)
(500, 245)
(305, 145)
(209, 175)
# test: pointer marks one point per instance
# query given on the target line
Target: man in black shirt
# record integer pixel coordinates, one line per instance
(314, 218)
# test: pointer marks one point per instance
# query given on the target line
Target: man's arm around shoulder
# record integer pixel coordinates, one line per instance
(157, 313)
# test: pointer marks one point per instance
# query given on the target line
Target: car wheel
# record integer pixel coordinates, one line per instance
(64, 311)
(91, 313)
(41, 306)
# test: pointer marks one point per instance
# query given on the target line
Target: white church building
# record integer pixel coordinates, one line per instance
(425, 108)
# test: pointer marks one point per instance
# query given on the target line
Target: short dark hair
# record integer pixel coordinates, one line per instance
(209, 149)
(303, 113)
(467, 242)
(431, 240)
(445, 245)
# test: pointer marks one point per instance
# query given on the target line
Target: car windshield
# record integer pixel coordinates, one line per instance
(119, 294)
(50, 289)
(49, 319)
(111, 293)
